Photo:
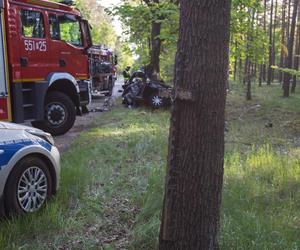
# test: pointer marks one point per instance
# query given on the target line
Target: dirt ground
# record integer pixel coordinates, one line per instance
(84, 122)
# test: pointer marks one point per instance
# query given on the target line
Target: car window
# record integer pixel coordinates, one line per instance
(70, 31)
(32, 24)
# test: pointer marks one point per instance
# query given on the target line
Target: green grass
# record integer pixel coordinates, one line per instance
(112, 181)
(104, 178)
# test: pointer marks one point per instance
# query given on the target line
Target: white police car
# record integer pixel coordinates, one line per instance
(29, 168)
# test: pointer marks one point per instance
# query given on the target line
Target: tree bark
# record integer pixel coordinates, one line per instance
(196, 148)
(274, 41)
(283, 42)
(263, 69)
(297, 53)
(153, 68)
(289, 61)
(269, 78)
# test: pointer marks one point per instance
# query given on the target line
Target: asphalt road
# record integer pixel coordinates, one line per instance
(84, 122)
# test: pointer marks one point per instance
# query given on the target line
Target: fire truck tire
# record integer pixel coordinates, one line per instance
(60, 114)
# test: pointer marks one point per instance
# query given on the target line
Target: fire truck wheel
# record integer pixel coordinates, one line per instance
(60, 114)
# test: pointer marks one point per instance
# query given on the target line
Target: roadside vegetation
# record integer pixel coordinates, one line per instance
(112, 181)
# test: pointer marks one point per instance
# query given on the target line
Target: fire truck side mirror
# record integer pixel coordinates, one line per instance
(116, 60)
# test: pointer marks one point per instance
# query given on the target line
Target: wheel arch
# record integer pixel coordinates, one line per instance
(65, 83)
(67, 87)
(50, 167)
(29, 152)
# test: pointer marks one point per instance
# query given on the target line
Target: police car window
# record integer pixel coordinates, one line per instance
(70, 31)
(54, 27)
(32, 24)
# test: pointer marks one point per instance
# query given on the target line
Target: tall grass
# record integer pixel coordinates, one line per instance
(260, 209)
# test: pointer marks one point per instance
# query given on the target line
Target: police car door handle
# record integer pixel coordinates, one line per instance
(1, 151)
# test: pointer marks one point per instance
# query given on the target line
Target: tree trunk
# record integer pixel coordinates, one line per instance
(235, 69)
(269, 79)
(260, 75)
(273, 42)
(154, 67)
(191, 213)
(289, 61)
(283, 27)
(297, 53)
(263, 70)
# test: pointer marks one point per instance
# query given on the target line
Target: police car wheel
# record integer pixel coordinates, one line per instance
(60, 114)
(29, 186)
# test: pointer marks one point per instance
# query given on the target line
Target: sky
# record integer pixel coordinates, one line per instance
(116, 22)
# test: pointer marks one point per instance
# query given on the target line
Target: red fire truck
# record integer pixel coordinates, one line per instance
(102, 70)
(44, 69)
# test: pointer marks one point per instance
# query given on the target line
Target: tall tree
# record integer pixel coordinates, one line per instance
(154, 66)
(297, 53)
(152, 26)
(196, 150)
(274, 40)
(289, 60)
(283, 32)
(269, 78)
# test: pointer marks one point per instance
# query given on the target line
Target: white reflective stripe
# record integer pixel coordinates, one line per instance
(1, 152)
(64, 76)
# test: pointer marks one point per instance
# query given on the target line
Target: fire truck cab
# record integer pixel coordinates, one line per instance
(44, 69)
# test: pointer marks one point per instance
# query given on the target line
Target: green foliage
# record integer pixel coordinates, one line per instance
(247, 35)
(289, 71)
(137, 19)
(103, 31)
(102, 28)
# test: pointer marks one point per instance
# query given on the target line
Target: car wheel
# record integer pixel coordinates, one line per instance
(60, 114)
(29, 186)
(156, 101)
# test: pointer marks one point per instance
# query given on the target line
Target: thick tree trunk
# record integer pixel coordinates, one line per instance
(289, 61)
(196, 150)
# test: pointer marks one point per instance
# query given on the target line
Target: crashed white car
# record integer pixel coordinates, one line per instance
(29, 169)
